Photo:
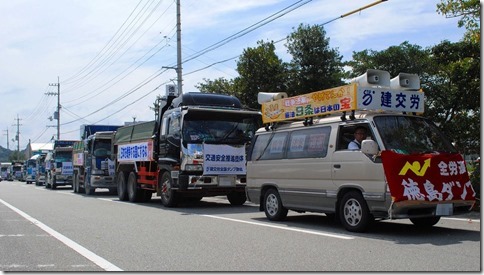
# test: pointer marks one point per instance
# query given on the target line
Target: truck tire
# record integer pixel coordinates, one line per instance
(273, 207)
(75, 184)
(236, 198)
(169, 197)
(122, 189)
(135, 194)
(354, 213)
(88, 190)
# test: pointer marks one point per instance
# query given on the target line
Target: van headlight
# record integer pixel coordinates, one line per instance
(193, 167)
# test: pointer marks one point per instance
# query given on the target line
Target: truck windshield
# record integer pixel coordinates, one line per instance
(412, 135)
(61, 157)
(218, 130)
(102, 148)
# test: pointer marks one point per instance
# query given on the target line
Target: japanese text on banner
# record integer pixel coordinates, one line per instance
(224, 160)
(420, 177)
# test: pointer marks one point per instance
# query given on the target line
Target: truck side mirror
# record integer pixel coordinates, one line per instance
(369, 147)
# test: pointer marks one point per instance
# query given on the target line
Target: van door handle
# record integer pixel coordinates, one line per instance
(337, 166)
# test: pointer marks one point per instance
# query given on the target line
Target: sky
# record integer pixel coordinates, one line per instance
(108, 59)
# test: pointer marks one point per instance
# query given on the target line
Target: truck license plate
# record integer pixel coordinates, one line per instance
(446, 209)
(226, 181)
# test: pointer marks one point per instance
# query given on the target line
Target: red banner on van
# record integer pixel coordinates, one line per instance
(427, 177)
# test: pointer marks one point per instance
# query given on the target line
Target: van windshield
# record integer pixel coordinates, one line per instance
(412, 135)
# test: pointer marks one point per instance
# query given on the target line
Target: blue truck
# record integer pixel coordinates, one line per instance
(93, 165)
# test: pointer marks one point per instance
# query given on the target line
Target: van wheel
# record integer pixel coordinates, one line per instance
(169, 197)
(354, 213)
(273, 207)
(425, 222)
(236, 198)
(121, 183)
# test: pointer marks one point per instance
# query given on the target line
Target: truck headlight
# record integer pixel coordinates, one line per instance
(193, 167)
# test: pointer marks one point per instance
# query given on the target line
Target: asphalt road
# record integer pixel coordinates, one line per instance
(58, 230)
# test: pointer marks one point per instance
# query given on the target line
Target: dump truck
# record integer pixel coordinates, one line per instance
(196, 147)
(59, 171)
(93, 166)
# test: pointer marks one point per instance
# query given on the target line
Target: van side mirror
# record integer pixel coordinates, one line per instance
(369, 147)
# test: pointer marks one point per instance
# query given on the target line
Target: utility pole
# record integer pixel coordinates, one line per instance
(17, 137)
(178, 47)
(57, 113)
(8, 146)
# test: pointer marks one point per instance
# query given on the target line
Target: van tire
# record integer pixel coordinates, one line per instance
(169, 198)
(354, 213)
(425, 222)
(273, 207)
(121, 184)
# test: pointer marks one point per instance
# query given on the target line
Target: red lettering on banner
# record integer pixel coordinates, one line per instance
(426, 177)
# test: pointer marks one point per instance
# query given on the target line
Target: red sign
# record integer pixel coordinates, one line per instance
(427, 177)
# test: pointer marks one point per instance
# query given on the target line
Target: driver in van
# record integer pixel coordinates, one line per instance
(360, 135)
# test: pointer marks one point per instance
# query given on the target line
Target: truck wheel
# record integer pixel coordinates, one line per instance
(236, 198)
(425, 222)
(354, 213)
(75, 182)
(169, 197)
(273, 207)
(121, 183)
(88, 189)
(134, 193)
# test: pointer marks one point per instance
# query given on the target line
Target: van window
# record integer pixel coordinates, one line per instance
(270, 146)
(309, 143)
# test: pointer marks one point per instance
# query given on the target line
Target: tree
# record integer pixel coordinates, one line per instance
(260, 70)
(449, 75)
(314, 65)
(454, 93)
(469, 12)
(406, 58)
(217, 86)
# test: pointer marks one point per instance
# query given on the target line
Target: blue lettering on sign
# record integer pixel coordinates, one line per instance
(223, 158)
(415, 100)
(400, 98)
(367, 97)
(386, 99)
(137, 151)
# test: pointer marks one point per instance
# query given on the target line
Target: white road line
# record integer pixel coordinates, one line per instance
(463, 219)
(284, 228)
(99, 261)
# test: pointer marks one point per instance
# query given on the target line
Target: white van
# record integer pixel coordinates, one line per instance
(406, 168)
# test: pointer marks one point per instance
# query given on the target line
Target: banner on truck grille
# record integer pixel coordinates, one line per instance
(427, 177)
(141, 151)
(67, 168)
(223, 159)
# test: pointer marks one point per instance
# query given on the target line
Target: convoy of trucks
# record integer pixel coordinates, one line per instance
(292, 155)
(93, 166)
